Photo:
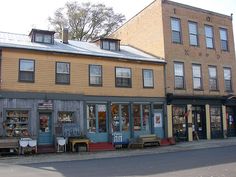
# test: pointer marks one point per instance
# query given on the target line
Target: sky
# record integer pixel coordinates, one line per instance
(20, 16)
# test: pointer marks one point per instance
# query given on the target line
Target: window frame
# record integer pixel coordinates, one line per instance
(196, 35)
(178, 88)
(231, 84)
(62, 83)
(194, 77)
(130, 86)
(90, 84)
(43, 38)
(151, 70)
(216, 78)
(227, 39)
(207, 37)
(180, 30)
(19, 71)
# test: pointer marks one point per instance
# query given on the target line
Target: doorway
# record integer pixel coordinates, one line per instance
(231, 125)
(45, 129)
(199, 122)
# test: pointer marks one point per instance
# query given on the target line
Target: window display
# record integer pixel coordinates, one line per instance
(65, 117)
(216, 124)
(137, 117)
(120, 117)
(91, 118)
(16, 124)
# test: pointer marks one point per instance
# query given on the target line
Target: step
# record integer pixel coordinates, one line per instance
(45, 149)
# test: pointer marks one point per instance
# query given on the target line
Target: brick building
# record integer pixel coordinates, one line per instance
(200, 80)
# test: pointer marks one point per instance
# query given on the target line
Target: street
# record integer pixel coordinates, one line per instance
(213, 162)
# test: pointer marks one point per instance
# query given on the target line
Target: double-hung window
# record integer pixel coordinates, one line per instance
(123, 77)
(148, 78)
(95, 75)
(179, 75)
(228, 79)
(224, 39)
(197, 76)
(193, 33)
(62, 73)
(27, 69)
(209, 36)
(176, 30)
(212, 78)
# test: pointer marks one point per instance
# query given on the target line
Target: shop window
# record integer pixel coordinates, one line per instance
(197, 76)
(17, 123)
(228, 79)
(212, 78)
(179, 75)
(224, 39)
(193, 33)
(209, 36)
(148, 78)
(179, 122)
(65, 117)
(176, 30)
(123, 77)
(137, 117)
(145, 117)
(216, 124)
(120, 117)
(27, 70)
(95, 75)
(96, 118)
(62, 73)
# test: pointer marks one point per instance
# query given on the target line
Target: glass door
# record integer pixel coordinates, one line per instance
(45, 129)
(198, 122)
(231, 125)
(216, 122)
(97, 122)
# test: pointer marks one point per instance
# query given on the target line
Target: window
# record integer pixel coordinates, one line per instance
(95, 75)
(120, 117)
(212, 78)
(209, 37)
(224, 39)
(216, 122)
(227, 79)
(193, 33)
(62, 73)
(197, 77)
(26, 73)
(179, 75)
(43, 38)
(141, 114)
(110, 44)
(123, 77)
(96, 118)
(176, 30)
(148, 78)
(65, 117)
(17, 123)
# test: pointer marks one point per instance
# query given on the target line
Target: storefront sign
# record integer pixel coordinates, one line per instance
(71, 130)
(157, 120)
(46, 105)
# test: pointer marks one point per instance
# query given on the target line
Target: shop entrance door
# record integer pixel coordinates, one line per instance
(199, 122)
(231, 125)
(45, 129)
(97, 123)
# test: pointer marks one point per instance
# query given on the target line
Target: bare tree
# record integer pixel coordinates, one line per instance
(86, 21)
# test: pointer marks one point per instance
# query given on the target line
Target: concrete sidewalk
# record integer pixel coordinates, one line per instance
(58, 157)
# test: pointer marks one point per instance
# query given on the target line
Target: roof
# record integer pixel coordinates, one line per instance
(21, 41)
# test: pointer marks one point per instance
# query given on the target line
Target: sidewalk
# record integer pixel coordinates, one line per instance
(58, 157)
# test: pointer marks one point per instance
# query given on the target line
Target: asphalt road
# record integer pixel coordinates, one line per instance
(214, 162)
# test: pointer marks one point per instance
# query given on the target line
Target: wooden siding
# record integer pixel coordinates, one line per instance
(79, 81)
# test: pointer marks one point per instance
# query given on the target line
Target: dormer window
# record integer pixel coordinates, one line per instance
(110, 44)
(42, 36)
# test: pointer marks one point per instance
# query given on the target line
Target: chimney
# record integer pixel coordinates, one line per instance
(65, 35)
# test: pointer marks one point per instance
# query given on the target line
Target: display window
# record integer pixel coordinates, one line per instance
(216, 122)
(179, 122)
(141, 115)
(65, 117)
(16, 123)
(120, 117)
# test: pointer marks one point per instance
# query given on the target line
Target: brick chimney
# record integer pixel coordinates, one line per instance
(65, 35)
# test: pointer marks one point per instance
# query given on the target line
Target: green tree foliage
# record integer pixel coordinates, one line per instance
(86, 21)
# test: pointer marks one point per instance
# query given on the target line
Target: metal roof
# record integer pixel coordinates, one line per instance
(21, 41)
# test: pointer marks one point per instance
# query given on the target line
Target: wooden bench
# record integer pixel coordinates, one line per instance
(149, 140)
(9, 143)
